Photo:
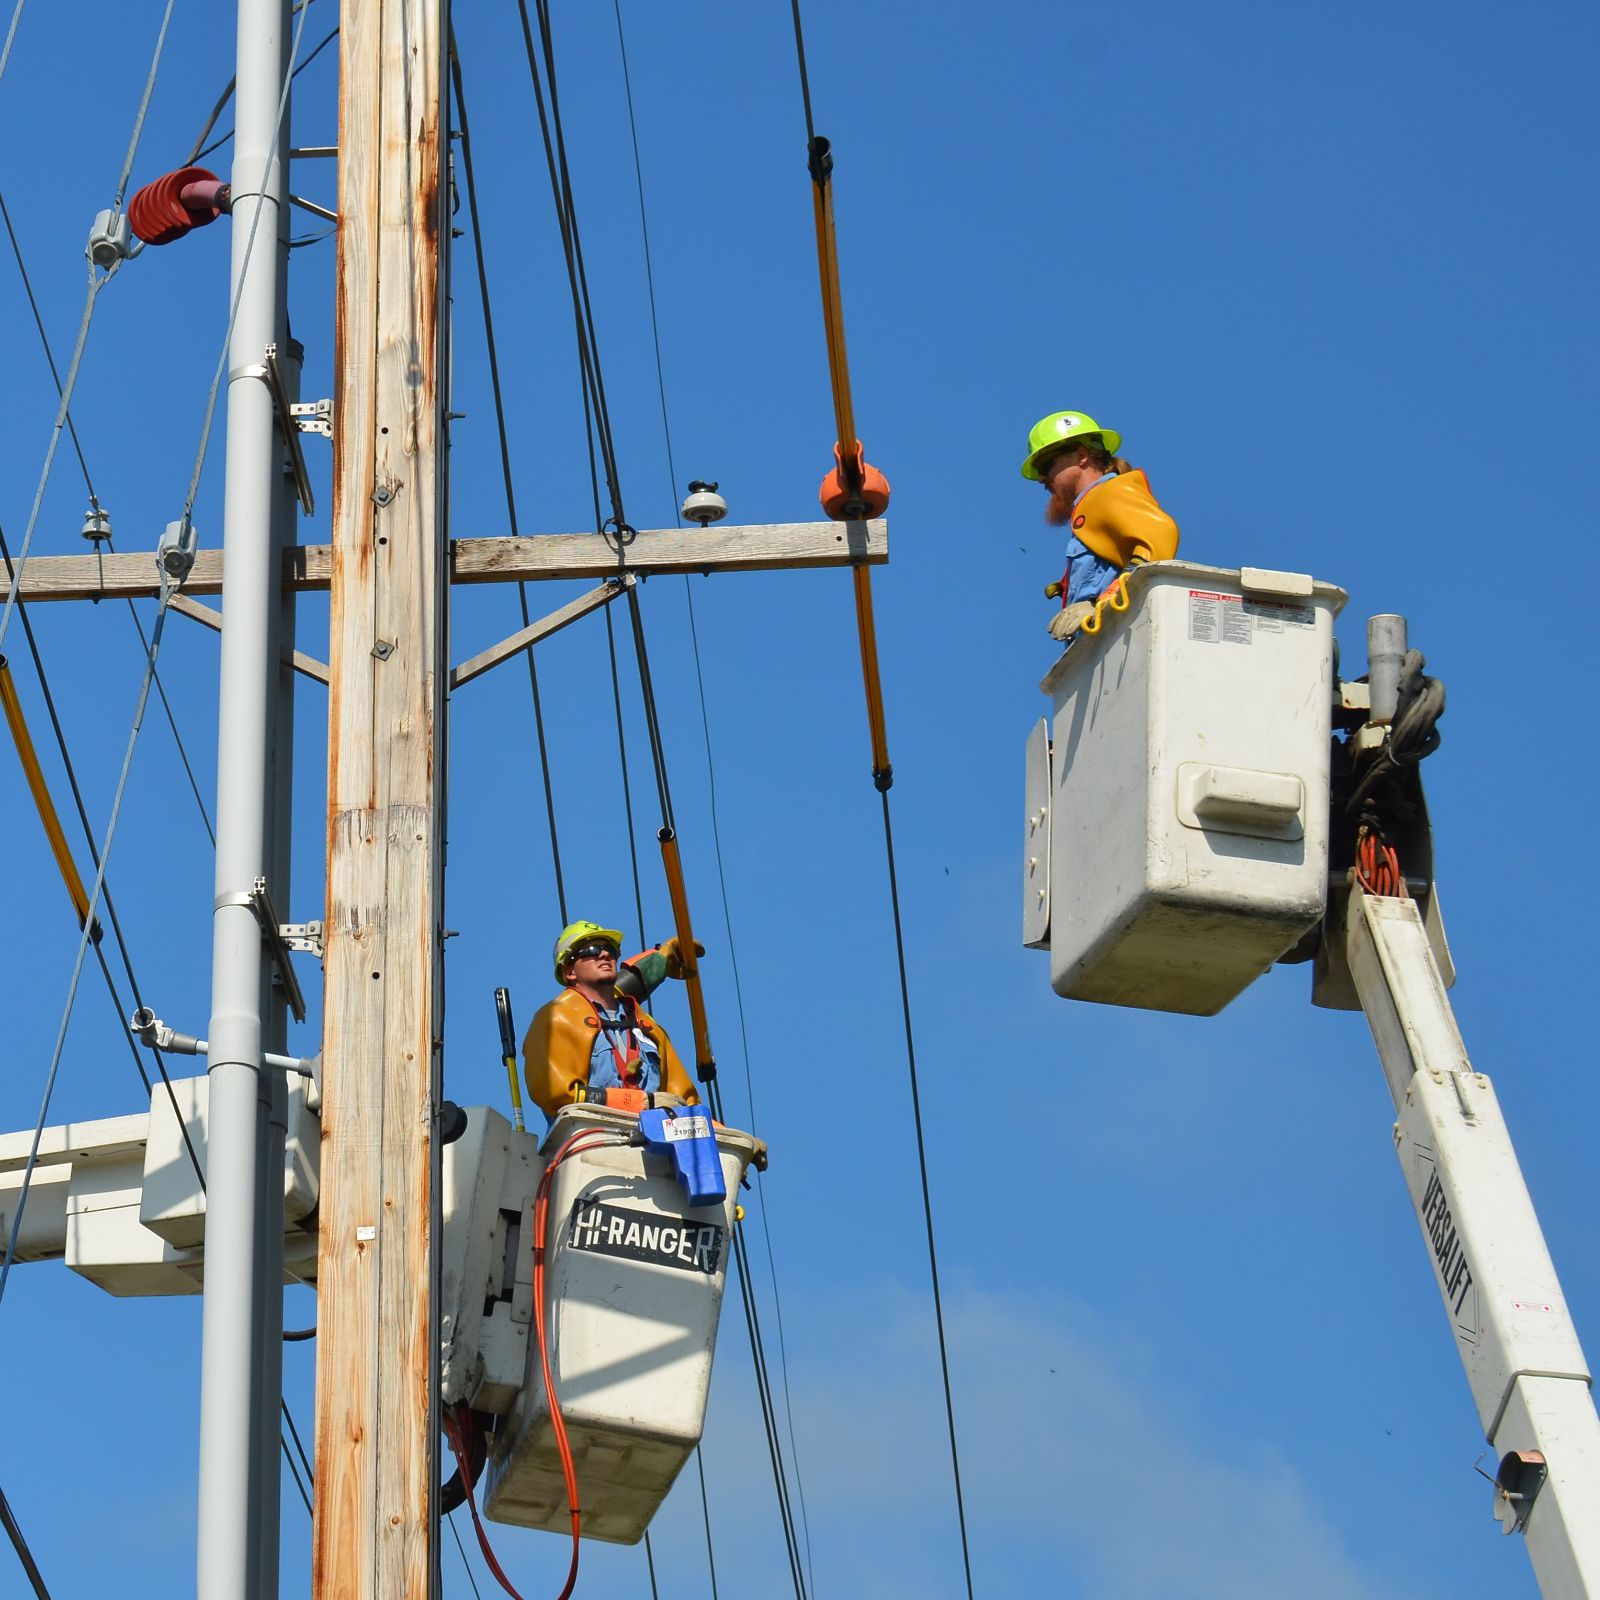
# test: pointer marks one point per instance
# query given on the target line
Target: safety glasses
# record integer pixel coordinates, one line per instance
(589, 952)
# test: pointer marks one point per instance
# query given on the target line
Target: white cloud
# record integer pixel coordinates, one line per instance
(1083, 1476)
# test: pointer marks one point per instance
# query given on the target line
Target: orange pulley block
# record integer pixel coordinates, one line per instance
(867, 496)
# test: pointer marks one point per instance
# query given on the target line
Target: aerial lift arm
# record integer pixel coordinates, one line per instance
(1521, 1353)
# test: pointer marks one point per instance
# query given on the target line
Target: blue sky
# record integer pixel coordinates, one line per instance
(1331, 274)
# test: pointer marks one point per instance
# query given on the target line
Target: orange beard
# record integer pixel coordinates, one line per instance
(1059, 511)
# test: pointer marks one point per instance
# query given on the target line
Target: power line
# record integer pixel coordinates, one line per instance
(705, 1507)
(820, 165)
(200, 148)
(96, 284)
(598, 429)
(294, 1472)
(650, 1563)
(597, 414)
(711, 777)
(83, 942)
(627, 789)
(94, 504)
(455, 1533)
(505, 467)
(927, 1201)
(14, 1533)
(11, 33)
(63, 416)
(242, 273)
(111, 909)
(144, 107)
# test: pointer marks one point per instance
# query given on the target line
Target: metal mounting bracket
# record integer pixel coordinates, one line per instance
(260, 902)
(288, 428)
(306, 936)
(313, 416)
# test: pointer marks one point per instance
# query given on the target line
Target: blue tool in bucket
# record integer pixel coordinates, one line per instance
(690, 1140)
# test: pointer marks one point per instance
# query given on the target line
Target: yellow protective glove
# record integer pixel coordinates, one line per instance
(669, 952)
(1067, 621)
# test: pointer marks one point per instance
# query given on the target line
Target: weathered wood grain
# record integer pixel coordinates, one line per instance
(516, 643)
(760, 547)
(376, 1468)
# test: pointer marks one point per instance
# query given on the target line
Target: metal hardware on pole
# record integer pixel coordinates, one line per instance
(238, 1494)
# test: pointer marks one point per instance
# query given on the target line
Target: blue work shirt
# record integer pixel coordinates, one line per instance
(1087, 574)
(615, 1031)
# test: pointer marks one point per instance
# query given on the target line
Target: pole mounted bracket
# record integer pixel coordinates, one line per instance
(259, 901)
(288, 428)
(304, 936)
(313, 416)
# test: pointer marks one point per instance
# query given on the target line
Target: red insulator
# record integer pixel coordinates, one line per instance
(843, 503)
(168, 208)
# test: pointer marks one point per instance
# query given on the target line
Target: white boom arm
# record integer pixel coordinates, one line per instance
(1515, 1338)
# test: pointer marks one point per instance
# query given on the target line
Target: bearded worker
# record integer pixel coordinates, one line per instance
(1113, 519)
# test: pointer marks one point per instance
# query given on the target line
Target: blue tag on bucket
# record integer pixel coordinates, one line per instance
(691, 1141)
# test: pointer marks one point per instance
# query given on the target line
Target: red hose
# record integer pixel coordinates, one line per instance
(453, 1434)
(584, 1139)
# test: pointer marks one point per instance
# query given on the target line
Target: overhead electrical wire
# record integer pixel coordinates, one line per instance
(20, 1544)
(627, 788)
(852, 472)
(650, 1566)
(83, 946)
(597, 426)
(201, 149)
(455, 1533)
(599, 430)
(144, 108)
(152, 651)
(505, 467)
(711, 781)
(95, 285)
(555, 147)
(95, 506)
(714, 1097)
(242, 273)
(11, 34)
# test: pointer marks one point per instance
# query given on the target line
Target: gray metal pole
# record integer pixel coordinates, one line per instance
(229, 1562)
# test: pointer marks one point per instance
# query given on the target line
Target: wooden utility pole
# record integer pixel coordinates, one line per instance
(376, 1474)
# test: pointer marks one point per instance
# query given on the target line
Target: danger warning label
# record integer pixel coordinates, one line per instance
(1231, 619)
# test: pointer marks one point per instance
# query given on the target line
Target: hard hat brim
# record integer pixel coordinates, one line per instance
(613, 934)
(1108, 437)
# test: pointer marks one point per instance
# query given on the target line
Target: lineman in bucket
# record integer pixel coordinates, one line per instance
(1113, 520)
(594, 1035)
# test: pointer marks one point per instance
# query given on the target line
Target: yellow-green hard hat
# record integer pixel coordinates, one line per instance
(576, 933)
(1059, 428)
